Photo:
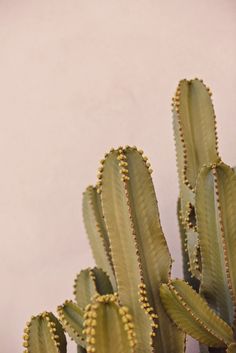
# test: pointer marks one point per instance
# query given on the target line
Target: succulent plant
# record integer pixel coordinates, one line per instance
(206, 212)
(129, 303)
(139, 253)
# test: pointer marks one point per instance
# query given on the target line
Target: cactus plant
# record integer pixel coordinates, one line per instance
(129, 303)
(208, 191)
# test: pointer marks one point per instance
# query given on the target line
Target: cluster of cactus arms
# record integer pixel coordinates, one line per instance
(206, 211)
(129, 303)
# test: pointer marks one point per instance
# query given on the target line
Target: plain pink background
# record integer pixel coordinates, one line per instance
(77, 77)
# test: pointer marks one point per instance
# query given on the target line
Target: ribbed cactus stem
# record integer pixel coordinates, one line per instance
(215, 206)
(71, 317)
(97, 231)
(124, 247)
(207, 209)
(108, 326)
(197, 127)
(193, 315)
(196, 144)
(44, 333)
(139, 251)
(90, 282)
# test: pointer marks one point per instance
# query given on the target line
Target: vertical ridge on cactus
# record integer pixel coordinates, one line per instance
(206, 184)
(71, 317)
(124, 247)
(193, 315)
(143, 238)
(43, 333)
(216, 200)
(96, 231)
(197, 127)
(119, 336)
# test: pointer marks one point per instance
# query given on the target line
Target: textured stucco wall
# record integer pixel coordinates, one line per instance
(77, 77)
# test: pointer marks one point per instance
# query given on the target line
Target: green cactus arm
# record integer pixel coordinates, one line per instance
(215, 210)
(125, 255)
(186, 194)
(103, 283)
(84, 287)
(139, 250)
(90, 282)
(154, 253)
(231, 348)
(197, 128)
(186, 213)
(97, 232)
(192, 314)
(71, 318)
(145, 215)
(109, 327)
(44, 333)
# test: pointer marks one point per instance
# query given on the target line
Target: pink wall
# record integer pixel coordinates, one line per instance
(77, 77)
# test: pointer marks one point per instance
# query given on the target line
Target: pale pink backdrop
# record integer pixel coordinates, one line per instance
(77, 77)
